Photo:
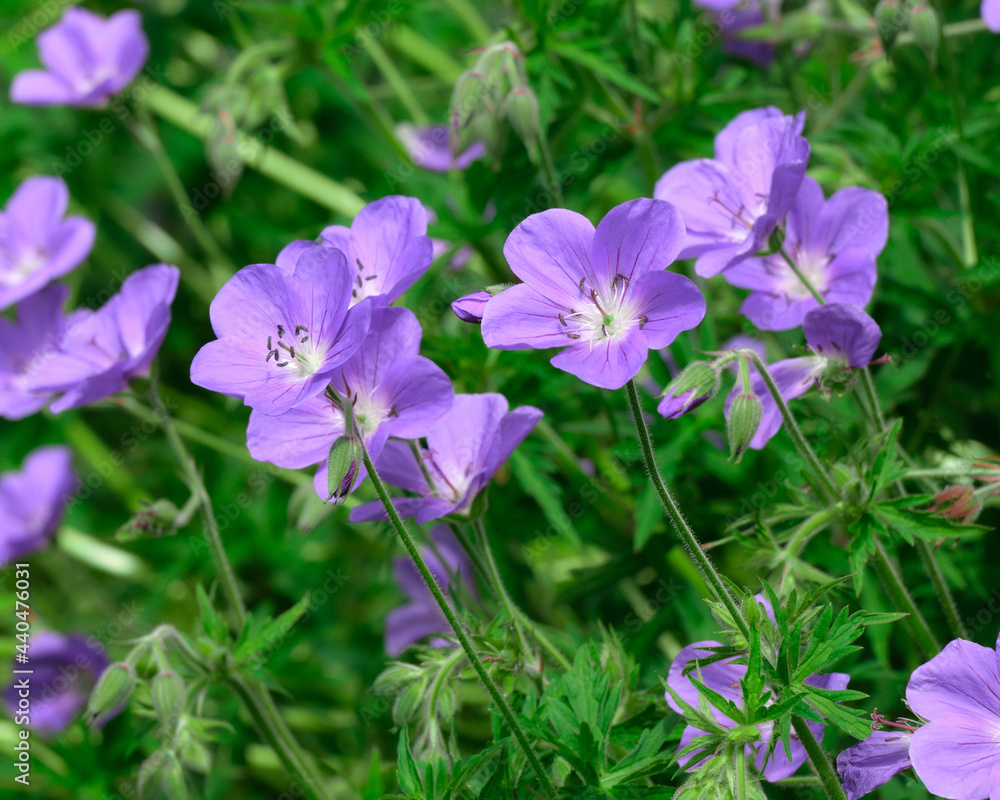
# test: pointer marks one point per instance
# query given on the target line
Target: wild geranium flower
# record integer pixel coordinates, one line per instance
(429, 147)
(29, 344)
(874, 762)
(64, 670)
(387, 248)
(834, 244)
(282, 332)
(839, 336)
(422, 616)
(733, 203)
(464, 451)
(990, 12)
(104, 349)
(33, 500)
(603, 294)
(38, 242)
(957, 753)
(87, 59)
(395, 392)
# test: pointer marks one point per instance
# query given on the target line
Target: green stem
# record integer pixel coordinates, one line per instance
(471, 19)
(551, 176)
(825, 483)
(803, 534)
(715, 582)
(952, 474)
(798, 274)
(741, 773)
(513, 611)
(821, 763)
(901, 599)
(456, 624)
(397, 82)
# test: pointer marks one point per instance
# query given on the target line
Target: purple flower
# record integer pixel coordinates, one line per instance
(733, 16)
(470, 308)
(282, 332)
(839, 336)
(834, 243)
(104, 349)
(64, 669)
(873, 762)
(957, 753)
(36, 243)
(387, 248)
(602, 294)
(29, 344)
(733, 203)
(33, 500)
(87, 59)
(430, 149)
(422, 616)
(396, 392)
(464, 451)
(990, 12)
(724, 677)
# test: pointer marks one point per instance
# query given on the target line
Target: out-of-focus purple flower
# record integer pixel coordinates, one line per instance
(605, 295)
(470, 308)
(724, 677)
(733, 16)
(874, 762)
(387, 248)
(37, 244)
(32, 501)
(464, 451)
(429, 148)
(87, 59)
(282, 332)
(957, 753)
(733, 203)
(839, 335)
(422, 616)
(990, 12)
(743, 342)
(29, 344)
(104, 349)
(64, 670)
(396, 392)
(834, 243)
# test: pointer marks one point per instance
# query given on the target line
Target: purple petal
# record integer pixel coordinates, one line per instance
(726, 142)
(961, 680)
(956, 756)
(301, 437)
(720, 676)
(874, 762)
(513, 429)
(851, 278)
(33, 500)
(842, 332)
(779, 766)
(608, 364)
(423, 395)
(853, 218)
(550, 252)
(990, 12)
(37, 88)
(288, 257)
(409, 624)
(635, 238)
(520, 318)
(671, 304)
(470, 308)
(775, 312)
(429, 147)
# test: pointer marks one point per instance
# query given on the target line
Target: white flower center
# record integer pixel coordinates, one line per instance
(291, 347)
(601, 317)
(813, 268)
(22, 267)
(367, 283)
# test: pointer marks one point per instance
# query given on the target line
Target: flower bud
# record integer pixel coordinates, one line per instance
(521, 108)
(112, 692)
(342, 466)
(744, 418)
(174, 783)
(150, 778)
(697, 383)
(470, 308)
(169, 696)
(465, 99)
(890, 18)
(152, 520)
(926, 30)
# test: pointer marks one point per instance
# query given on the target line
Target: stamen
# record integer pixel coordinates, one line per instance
(581, 283)
(281, 331)
(281, 364)
(291, 352)
(361, 267)
(300, 328)
(573, 335)
(304, 339)
(642, 321)
(593, 298)
(268, 342)
(619, 278)
(360, 282)
(371, 277)
(562, 320)
(354, 293)
(272, 353)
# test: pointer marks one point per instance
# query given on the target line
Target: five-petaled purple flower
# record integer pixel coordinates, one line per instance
(839, 336)
(395, 391)
(282, 332)
(32, 501)
(430, 148)
(64, 670)
(464, 451)
(733, 203)
(874, 761)
(834, 244)
(990, 12)
(87, 59)
(422, 616)
(602, 294)
(36, 243)
(387, 248)
(724, 678)
(102, 350)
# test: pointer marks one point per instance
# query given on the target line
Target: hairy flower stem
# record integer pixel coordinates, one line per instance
(456, 624)
(714, 580)
(821, 763)
(901, 599)
(513, 611)
(799, 274)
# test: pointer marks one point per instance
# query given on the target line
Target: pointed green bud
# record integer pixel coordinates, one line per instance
(466, 101)
(698, 382)
(150, 778)
(169, 696)
(342, 466)
(890, 19)
(112, 692)
(395, 677)
(521, 108)
(926, 30)
(151, 520)
(744, 418)
(175, 785)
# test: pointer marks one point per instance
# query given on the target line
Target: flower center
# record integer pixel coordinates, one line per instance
(813, 269)
(293, 348)
(604, 316)
(367, 283)
(22, 267)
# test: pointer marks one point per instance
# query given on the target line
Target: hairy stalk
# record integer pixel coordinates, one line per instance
(901, 599)
(513, 610)
(456, 624)
(805, 281)
(951, 474)
(821, 763)
(741, 773)
(715, 582)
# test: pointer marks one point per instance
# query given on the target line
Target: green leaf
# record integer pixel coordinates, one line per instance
(406, 767)
(271, 633)
(211, 621)
(601, 65)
